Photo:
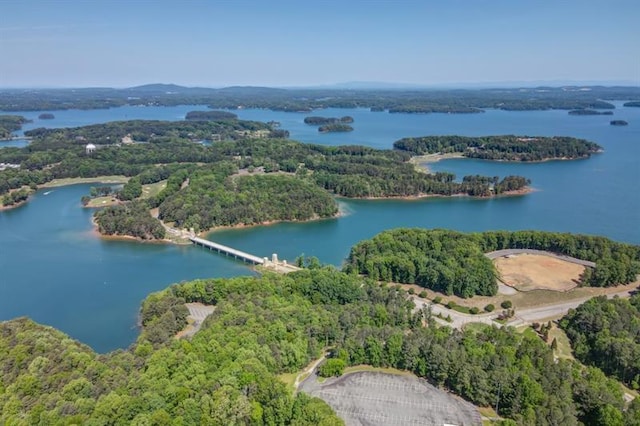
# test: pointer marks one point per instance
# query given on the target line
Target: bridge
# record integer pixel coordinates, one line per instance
(229, 251)
(277, 265)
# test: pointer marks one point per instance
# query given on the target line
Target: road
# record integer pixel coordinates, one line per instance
(523, 316)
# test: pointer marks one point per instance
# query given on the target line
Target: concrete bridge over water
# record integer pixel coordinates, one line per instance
(274, 263)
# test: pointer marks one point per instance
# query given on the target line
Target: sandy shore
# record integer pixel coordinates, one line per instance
(421, 161)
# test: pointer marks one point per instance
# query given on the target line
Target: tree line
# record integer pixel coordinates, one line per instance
(131, 219)
(606, 333)
(400, 100)
(454, 263)
(507, 147)
(9, 124)
(264, 326)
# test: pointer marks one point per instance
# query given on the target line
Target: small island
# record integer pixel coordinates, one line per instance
(635, 104)
(210, 116)
(618, 123)
(46, 116)
(318, 121)
(589, 112)
(337, 127)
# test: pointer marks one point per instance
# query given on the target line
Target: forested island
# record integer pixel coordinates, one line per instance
(46, 116)
(313, 120)
(210, 115)
(264, 328)
(632, 104)
(506, 148)
(618, 123)
(451, 262)
(337, 127)
(589, 112)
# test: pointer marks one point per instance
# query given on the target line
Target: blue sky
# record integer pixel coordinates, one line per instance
(58, 43)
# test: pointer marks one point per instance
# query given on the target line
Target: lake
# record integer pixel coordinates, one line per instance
(56, 271)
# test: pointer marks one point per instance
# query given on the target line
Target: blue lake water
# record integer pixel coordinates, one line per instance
(56, 271)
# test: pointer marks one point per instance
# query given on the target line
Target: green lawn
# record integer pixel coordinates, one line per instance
(153, 189)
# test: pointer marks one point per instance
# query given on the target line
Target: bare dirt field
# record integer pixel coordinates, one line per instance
(372, 398)
(526, 272)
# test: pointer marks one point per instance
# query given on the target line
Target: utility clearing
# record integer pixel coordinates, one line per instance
(527, 272)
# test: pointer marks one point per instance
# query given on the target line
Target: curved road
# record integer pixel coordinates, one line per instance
(523, 316)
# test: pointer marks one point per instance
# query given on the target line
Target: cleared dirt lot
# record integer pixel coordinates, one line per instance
(527, 272)
(373, 398)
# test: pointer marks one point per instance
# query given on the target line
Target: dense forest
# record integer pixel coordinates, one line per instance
(318, 121)
(261, 327)
(507, 147)
(9, 124)
(606, 333)
(210, 115)
(229, 182)
(589, 112)
(453, 263)
(336, 127)
(418, 100)
(131, 219)
(212, 199)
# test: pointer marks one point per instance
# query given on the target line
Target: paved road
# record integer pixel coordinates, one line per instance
(523, 316)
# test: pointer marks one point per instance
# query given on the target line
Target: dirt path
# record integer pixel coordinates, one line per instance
(306, 373)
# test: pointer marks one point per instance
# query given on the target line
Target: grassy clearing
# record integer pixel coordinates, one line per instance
(564, 346)
(102, 202)
(527, 331)
(73, 181)
(369, 368)
(288, 379)
(153, 189)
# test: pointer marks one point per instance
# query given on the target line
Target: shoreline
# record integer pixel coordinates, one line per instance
(515, 193)
(56, 183)
(421, 161)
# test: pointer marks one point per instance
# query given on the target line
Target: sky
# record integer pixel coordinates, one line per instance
(58, 43)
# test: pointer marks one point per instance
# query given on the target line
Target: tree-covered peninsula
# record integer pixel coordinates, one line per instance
(270, 327)
(9, 124)
(506, 148)
(245, 178)
(451, 262)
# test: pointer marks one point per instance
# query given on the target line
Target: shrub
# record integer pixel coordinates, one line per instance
(437, 299)
(506, 304)
(489, 308)
(412, 291)
(332, 367)
(451, 304)
(423, 294)
(474, 310)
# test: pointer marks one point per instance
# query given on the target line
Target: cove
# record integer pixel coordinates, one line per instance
(56, 271)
